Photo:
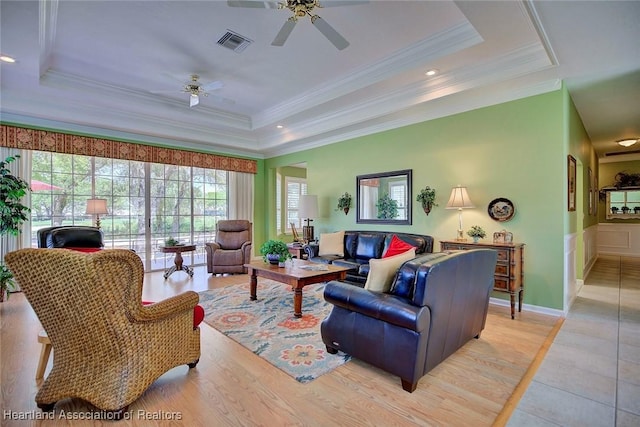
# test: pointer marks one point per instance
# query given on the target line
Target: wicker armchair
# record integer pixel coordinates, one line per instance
(108, 347)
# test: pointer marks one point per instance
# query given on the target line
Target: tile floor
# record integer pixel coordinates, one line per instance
(591, 374)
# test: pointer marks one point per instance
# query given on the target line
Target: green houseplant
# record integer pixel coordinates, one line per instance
(274, 251)
(387, 207)
(427, 198)
(476, 232)
(12, 215)
(344, 203)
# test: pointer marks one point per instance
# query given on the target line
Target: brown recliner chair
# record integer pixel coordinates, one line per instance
(108, 347)
(232, 248)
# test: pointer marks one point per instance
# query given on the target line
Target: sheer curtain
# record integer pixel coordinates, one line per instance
(241, 195)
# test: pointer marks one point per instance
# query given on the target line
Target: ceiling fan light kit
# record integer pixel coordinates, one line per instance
(300, 9)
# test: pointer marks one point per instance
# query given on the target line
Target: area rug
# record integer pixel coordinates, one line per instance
(268, 327)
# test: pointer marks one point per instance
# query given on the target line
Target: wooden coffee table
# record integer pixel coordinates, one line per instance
(294, 275)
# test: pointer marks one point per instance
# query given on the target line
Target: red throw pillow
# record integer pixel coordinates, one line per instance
(85, 249)
(396, 247)
(198, 313)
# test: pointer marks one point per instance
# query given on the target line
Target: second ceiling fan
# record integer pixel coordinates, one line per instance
(300, 9)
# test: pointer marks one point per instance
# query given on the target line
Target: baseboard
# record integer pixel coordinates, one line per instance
(528, 307)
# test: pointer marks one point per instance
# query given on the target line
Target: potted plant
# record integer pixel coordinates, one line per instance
(427, 198)
(477, 233)
(636, 210)
(12, 215)
(614, 209)
(387, 207)
(625, 210)
(171, 242)
(344, 203)
(7, 283)
(275, 252)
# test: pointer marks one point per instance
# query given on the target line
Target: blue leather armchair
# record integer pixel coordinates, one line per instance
(436, 303)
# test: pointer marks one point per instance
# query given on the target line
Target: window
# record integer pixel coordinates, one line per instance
(296, 187)
(148, 202)
(623, 204)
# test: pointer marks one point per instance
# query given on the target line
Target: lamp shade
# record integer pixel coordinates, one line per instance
(459, 199)
(97, 207)
(308, 206)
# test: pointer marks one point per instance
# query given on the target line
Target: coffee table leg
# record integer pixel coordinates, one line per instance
(297, 302)
(254, 285)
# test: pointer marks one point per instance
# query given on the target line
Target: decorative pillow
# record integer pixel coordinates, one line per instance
(397, 246)
(198, 313)
(84, 249)
(382, 270)
(332, 243)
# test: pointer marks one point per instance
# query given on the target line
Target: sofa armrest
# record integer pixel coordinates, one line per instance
(389, 308)
(311, 249)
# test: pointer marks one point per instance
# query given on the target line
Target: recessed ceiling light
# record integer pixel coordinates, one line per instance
(279, 126)
(628, 142)
(5, 58)
(432, 72)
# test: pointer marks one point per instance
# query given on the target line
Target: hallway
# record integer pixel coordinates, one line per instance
(591, 374)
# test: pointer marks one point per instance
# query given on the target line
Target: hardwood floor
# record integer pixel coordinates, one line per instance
(233, 387)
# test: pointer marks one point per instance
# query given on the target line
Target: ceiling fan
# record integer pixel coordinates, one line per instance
(195, 89)
(300, 9)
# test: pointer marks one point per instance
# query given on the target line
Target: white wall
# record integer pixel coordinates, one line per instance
(619, 239)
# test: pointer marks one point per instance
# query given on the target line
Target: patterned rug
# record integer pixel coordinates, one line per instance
(268, 327)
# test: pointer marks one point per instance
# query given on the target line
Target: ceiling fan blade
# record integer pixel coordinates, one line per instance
(212, 86)
(328, 3)
(334, 37)
(284, 32)
(193, 100)
(254, 4)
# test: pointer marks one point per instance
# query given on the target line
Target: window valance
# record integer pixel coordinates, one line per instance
(41, 140)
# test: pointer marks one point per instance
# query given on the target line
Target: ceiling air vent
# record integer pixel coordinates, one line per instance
(619, 153)
(234, 41)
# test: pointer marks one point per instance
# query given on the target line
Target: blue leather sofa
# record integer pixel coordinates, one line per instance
(436, 303)
(361, 246)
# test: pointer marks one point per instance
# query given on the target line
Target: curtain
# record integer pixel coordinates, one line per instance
(241, 196)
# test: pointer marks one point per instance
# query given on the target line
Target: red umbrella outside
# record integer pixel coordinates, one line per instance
(42, 186)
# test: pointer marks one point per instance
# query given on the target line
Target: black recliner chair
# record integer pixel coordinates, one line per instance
(70, 236)
(436, 304)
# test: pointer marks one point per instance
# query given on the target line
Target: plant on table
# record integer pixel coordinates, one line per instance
(387, 207)
(171, 242)
(275, 247)
(477, 233)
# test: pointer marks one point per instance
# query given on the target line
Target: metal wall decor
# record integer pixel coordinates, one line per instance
(501, 209)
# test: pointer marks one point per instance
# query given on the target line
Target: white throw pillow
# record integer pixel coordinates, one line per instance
(383, 270)
(332, 243)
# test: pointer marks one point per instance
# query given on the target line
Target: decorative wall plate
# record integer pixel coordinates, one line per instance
(501, 209)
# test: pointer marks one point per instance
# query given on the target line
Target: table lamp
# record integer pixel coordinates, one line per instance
(459, 199)
(308, 209)
(97, 207)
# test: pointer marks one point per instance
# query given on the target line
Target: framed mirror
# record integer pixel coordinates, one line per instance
(384, 198)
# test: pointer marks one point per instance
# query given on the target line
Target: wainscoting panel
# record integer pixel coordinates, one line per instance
(619, 239)
(570, 282)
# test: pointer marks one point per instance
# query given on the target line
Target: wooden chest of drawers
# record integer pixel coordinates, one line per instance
(509, 275)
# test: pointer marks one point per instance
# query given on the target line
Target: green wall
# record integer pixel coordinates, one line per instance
(515, 150)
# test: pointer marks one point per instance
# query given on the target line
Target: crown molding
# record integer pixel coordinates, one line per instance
(443, 43)
(62, 80)
(48, 21)
(522, 61)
